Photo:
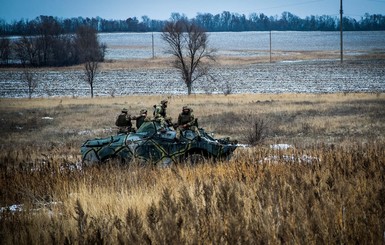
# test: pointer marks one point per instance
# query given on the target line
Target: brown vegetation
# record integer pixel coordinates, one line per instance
(229, 61)
(262, 57)
(328, 188)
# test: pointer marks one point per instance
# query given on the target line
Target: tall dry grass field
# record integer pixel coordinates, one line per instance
(327, 188)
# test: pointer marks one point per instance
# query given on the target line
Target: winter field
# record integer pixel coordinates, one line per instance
(282, 77)
(301, 62)
(310, 168)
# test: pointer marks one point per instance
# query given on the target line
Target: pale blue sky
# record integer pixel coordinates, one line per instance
(162, 9)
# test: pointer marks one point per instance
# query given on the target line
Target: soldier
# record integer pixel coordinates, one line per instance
(123, 121)
(140, 118)
(160, 114)
(160, 110)
(186, 120)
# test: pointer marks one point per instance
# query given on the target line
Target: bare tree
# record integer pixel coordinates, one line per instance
(188, 43)
(48, 39)
(29, 78)
(27, 51)
(5, 50)
(90, 53)
(90, 71)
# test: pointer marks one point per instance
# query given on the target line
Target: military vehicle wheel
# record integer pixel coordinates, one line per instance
(194, 159)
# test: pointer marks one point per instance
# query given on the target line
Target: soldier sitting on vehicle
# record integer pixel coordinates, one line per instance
(140, 118)
(123, 121)
(160, 114)
(160, 109)
(186, 120)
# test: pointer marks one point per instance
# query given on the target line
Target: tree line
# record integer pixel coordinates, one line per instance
(47, 44)
(51, 41)
(225, 21)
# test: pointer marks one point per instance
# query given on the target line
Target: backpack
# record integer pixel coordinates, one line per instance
(122, 120)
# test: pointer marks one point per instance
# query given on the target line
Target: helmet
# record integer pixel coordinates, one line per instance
(164, 102)
(143, 111)
(124, 110)
(186, 108)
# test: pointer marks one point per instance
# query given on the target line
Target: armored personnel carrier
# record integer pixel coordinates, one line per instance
(154, 144)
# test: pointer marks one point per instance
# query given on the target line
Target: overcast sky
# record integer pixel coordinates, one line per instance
(161, 9)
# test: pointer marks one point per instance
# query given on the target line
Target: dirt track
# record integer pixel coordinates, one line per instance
(327, 76)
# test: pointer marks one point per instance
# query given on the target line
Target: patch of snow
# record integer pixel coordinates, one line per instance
(77, 166)
(281, 146)
(12, 208)
(85, 132)
(97, 131)
(47, 118)
(290, 159)
(19, 207)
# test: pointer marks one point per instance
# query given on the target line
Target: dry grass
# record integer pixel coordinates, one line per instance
(298, 119)
(231, 61)
(258, 197)
(263, 57)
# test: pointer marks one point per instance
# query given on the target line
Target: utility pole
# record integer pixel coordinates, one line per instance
(153, 51)
(341, 30)
(152, 39)
(270, 44)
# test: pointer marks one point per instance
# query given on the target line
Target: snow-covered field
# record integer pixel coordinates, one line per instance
(122, 46)
(317, 76)
(284, 77)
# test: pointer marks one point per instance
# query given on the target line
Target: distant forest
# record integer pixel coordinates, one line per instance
(226, 21)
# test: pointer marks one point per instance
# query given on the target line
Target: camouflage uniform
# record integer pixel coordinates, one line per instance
(160, 113)
(186, 120)
(160, 110)
(140, 118)
(123, 121)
